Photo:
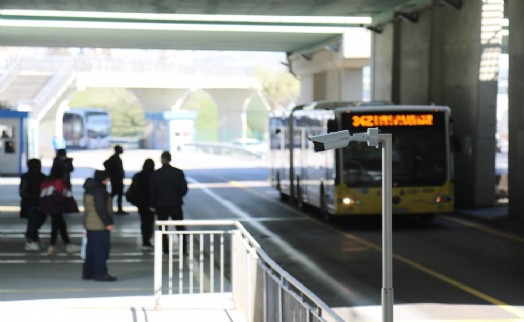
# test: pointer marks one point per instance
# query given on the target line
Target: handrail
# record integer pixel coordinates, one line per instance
(51, 90)
(244, 286)
(11, 73)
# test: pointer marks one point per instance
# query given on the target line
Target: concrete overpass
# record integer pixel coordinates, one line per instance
(423, 51)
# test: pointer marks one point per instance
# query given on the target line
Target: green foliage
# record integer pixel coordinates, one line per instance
(127, 114)
(280, 88)
(256, 118)
(206, 123)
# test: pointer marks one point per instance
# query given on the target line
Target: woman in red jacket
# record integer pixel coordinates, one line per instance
(54, 199)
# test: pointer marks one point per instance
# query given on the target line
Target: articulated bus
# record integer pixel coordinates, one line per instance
(348, 181)
(87, 128)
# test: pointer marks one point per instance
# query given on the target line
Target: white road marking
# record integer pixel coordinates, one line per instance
(292, 252)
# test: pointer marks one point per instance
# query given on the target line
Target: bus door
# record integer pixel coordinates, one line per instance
(304, 161)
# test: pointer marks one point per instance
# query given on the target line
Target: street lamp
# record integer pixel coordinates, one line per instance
(341, 139)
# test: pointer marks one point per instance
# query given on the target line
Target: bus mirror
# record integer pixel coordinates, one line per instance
(277, 131)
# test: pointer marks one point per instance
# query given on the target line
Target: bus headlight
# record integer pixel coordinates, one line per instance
(442, 199)
(350, 201)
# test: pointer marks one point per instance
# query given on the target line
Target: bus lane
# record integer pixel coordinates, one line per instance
(452, 281)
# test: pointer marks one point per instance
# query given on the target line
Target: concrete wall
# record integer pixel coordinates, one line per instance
(414, 57)
(382, 65)
(334, 73)
(471, 93)
(443, 59)
(516, 109)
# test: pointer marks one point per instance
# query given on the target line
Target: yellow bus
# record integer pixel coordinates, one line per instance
(347, 181)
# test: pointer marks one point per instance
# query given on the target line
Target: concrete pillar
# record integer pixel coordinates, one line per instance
(158, 99)
(516, 109)
(231, 104)
(449, 57)
(382, 65)
(335, 72)
(471, 48)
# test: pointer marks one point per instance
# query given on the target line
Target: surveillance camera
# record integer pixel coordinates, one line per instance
(330, 141)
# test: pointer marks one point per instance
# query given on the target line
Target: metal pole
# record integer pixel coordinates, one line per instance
(387, 213)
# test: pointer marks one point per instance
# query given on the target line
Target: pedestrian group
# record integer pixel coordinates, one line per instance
(152, 191)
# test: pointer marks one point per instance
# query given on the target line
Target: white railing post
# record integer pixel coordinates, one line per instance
(158, 268)
(246, 261)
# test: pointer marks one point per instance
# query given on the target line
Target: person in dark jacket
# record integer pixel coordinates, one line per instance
(114, 166)
(61, 156)
(168, 187)
(98, 222)
(29, 190)
(147, 217)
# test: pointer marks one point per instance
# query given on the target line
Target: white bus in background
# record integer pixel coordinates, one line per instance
(87, 128)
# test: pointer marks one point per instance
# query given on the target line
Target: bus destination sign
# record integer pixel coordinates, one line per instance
(401, 120)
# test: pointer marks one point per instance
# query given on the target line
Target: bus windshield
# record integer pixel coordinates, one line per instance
(418, 155)
(98, 124)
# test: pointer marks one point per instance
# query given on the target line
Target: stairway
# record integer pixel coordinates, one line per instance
(25, 87)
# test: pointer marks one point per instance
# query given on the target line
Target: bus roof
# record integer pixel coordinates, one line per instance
(84, 110)
(379, 108)
(331, 105)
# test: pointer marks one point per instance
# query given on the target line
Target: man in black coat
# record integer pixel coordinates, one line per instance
(168, 186)
(114, 166)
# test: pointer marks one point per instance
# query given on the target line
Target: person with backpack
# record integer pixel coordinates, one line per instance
(56, 199)
(29, 191)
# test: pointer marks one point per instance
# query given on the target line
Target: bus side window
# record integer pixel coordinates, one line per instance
(331, 126)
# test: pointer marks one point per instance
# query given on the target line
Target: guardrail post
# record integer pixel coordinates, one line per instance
(158, 268)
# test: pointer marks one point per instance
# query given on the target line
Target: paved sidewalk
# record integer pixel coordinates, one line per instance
(186, 308)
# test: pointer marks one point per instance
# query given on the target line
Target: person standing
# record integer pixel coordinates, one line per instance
(53, 194)
(61, 156)
(98, 222)
(142, 191)
(114, 166)
(29, 191)
(168, 187)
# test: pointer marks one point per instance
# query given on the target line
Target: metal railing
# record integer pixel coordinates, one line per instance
(221, 257)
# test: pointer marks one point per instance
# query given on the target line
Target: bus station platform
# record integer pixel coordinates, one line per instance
(37, 287)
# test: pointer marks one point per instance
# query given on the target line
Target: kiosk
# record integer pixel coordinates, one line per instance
(13, 142)
(170, 130)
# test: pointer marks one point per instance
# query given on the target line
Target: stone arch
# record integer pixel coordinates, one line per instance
(51, 123)
(255, 117)
(125, 108)
(206, 122)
